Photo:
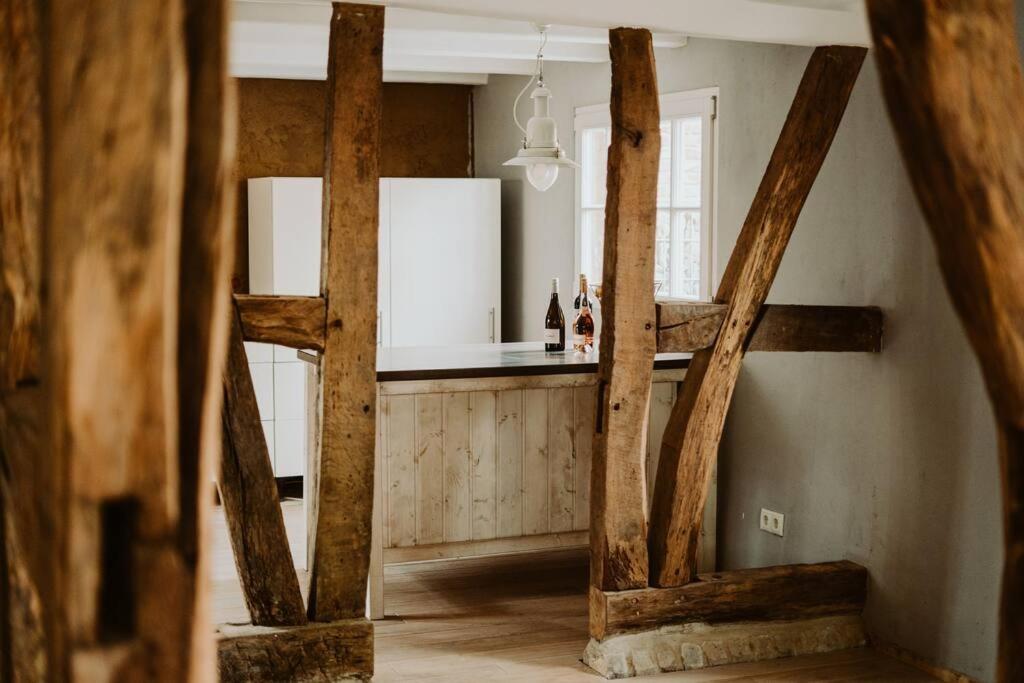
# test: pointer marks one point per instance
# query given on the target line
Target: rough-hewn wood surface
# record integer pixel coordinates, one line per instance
(952, 80)
(340, 539)
(684, 326)
(251, 504)
(207, 238)
(293, 321)
(690, 445)
(795, 591)
(29, 641)
(116, 88)
(618, 523)
(320, 653)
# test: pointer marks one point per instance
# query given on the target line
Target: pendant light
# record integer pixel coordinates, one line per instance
(540, 154)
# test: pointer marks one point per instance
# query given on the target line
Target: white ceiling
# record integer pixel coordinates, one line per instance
(462, 41)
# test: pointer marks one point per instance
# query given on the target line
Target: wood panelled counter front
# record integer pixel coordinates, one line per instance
(479, 465)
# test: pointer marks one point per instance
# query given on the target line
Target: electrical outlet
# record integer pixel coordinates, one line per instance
(772, 521)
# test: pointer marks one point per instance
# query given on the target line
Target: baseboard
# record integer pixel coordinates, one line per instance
(913, 659)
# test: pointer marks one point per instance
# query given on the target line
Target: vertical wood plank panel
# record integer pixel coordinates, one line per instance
(383, 452)
(663, 395)
(535, 461)
(429, 469)
(457, 467)
(561, 458)
(510, 463)
(585, 399)
(401, 429)
(484, 477)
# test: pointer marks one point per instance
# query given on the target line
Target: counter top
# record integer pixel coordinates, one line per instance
(492, 360)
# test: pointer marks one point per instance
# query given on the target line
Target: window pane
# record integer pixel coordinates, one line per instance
(662, 253)
(685, 254)
(592, 244)
(665, 165)
(688, 162)
(594, 164)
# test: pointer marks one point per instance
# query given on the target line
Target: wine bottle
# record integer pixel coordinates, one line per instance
(582, 296)
(583, 325)
(554, 322)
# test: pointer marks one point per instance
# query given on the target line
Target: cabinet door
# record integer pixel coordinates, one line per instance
(296, 234)
(289, 391)
(445, 261)
(289, 447)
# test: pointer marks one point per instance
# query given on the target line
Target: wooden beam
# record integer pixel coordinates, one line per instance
(338, 651)
(618, 524)
(116, 119)
(207, 254)
(31, 640)
(251, 504)
(685, 326)
(796, 591)
(952, 80)
(690, 443)
(340, 539)
(293, 321)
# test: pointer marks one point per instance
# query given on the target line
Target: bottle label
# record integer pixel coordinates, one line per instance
(552, 336)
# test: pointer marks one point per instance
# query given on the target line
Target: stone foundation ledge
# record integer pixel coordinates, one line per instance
(699, 645)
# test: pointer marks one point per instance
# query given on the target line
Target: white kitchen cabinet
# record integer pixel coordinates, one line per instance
(439, 276)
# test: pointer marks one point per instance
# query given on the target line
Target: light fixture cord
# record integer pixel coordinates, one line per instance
(538, 75)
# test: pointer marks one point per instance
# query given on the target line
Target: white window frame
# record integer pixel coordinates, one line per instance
(703, 102)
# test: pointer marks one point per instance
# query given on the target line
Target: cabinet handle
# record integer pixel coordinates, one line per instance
(492, 324)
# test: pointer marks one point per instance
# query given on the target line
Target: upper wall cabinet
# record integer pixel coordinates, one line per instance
(439, 279)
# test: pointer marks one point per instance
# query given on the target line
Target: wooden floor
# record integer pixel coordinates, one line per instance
(514, 619)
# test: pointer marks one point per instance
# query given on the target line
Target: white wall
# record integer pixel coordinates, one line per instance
(889, 459)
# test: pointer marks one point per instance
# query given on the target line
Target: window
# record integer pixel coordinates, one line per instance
(684, 239)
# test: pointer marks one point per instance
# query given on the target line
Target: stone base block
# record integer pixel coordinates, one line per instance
(699, 645)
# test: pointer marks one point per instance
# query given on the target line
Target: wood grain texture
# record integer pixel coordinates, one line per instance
(348, 384)
(207, 236)
(337, 651)
(796, 591)
(952, 81)
(686, 327)
(116, 120)
(618, 521)
(690, 444)
(249, 495)
(30, 641)
(294, 321)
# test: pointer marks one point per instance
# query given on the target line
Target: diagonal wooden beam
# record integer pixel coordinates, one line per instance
(293, 321)
(690, 443)
(685, 326)
(251, 505)
(618, 525)
(952, 80)
(343, 498)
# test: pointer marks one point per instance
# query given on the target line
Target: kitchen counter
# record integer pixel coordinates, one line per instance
(493, 360)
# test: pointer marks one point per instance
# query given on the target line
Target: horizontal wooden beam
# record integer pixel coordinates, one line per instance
(797, 591)
(340, 650)
(293, 321)
(685, 326)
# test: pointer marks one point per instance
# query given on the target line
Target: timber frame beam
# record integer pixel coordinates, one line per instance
(952, 80)
(690, 444)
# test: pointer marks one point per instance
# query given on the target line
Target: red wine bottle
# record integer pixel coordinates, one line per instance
(554, 322)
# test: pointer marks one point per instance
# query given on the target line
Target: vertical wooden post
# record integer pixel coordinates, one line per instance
(952, 79)
(690, 444)
(618, 526)
(207, 254)
(31, 645)
(116, 88)
(348, 385)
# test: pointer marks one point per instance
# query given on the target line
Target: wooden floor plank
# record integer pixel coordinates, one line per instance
(516, 619)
